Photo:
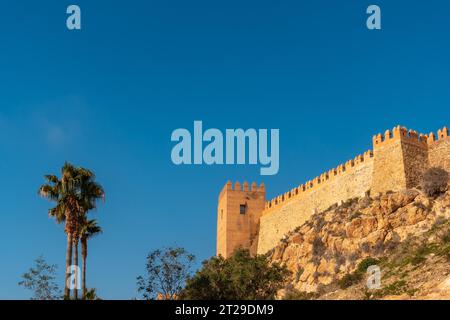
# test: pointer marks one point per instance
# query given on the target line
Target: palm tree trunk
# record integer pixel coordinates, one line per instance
(75, 262)
(68, 264)
(83, 258)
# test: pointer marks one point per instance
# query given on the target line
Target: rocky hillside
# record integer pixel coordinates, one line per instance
(407, 234)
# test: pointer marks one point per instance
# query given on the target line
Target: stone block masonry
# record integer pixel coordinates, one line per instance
(238, 215)
(398, 160)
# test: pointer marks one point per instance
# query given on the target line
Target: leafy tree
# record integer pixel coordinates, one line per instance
(41, 280)
(240, 277)
(167, 271)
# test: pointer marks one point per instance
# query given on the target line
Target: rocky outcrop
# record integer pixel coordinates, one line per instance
(332, 243)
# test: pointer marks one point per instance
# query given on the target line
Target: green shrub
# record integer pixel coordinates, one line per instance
(366, 263)
(299, 273)
(446, 237)
(350, 279)
(295, 294)
(396, 288)
(416, 260)
(353, 278)
(434, 181)
(318, 247)
(240, 277)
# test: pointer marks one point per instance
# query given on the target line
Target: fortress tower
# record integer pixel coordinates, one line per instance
(238, 215)
(398, 161)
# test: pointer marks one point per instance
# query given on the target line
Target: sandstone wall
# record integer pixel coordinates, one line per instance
(439, 154)
(388, 171)
(235, 229)
(400, 159)
(286, 212)
(415, 159)
(221, 242)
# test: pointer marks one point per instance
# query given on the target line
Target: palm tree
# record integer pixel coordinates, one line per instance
(64, 192)
(76, 239)
(74, 194)
(90, 193)
(88, 229)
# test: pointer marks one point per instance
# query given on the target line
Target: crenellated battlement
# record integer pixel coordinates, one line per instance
(399, 133)
(320, 180)
(244, 187)
(396, 134)
(441, 135)
(411, 136)
(397, 161)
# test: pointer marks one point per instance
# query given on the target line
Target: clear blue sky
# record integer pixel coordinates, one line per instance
(109, 96)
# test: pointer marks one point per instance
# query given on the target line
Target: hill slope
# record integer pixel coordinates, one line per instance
(406, 234)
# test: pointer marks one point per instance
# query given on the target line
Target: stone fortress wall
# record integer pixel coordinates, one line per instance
(292, 209)
(398, 160)
(233, 228)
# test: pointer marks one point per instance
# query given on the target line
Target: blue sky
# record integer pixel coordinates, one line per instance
(108, 97)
